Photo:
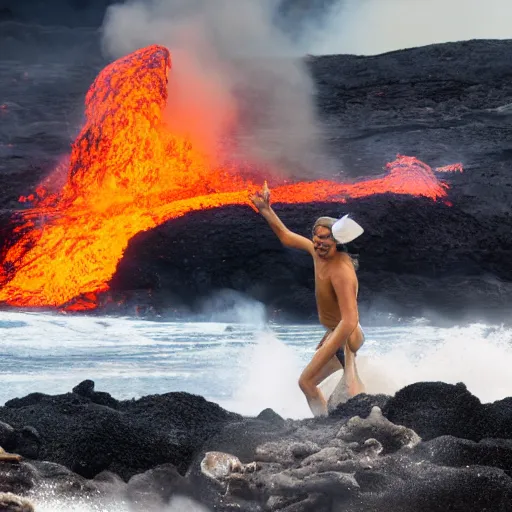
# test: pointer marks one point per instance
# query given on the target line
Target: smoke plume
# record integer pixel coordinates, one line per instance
(238, 86)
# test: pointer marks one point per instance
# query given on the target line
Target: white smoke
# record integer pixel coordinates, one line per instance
(234, 74)
(369, 27)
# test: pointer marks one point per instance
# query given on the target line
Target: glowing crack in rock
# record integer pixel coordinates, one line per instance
(128, 173)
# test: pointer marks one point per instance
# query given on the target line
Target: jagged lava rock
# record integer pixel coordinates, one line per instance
(126, 437)
(433, 409)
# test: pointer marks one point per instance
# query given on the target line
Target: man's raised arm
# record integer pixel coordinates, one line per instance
(261, 201)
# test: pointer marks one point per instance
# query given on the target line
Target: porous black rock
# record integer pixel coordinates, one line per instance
(47, 481)
(86, 389)
(27, 442)
(17, 478)
(495, 419)
(271, 416)
(6, 435)
(133, 436)
(456, 452)
(360, 405)
(434, 409)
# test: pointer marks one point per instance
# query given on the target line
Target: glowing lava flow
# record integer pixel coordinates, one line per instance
(128, 173)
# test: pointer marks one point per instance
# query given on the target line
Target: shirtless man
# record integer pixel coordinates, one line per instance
(336, 289)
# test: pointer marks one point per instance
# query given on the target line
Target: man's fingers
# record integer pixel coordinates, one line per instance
(256, 200)
(266, 191)
(261, 196)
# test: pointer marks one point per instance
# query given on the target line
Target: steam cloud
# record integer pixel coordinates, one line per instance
(235, 77)
(371, 27)
(239, 85)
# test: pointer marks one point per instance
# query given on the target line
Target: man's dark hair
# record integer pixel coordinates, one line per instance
(353, 257)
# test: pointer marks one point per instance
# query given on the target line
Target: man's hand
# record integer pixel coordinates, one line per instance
(261, 200)
(261, 203)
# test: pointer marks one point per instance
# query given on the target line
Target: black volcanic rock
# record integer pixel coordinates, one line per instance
(361, 405)
(195, 449)
(36, 478)
(455, 452)
(434, 409)
(153, 489)
(124, 437)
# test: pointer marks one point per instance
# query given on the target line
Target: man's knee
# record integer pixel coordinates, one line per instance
(356, 342)
(306, 385)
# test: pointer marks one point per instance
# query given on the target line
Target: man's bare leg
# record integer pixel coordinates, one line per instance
(315, 398)
(350, 384)
(309, 381)
(316, 401)
(317, 404)
(353, 383)
(320, 367)
(331, 367)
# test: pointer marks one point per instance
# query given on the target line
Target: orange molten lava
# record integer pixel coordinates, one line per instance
(128, 173)
(451, 168)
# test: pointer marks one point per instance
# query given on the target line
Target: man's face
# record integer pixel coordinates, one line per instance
(323, 242)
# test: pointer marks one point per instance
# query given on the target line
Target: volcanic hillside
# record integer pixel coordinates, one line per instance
(446, 252)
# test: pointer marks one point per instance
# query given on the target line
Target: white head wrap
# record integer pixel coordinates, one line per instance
(345, 230)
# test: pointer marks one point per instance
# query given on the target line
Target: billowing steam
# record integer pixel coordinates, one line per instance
(238, 85)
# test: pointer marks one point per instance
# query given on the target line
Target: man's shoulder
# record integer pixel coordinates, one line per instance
(343, 268)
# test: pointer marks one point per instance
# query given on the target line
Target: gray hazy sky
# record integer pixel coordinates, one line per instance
(375, 26)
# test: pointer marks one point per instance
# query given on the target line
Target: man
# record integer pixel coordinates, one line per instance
(336, 289)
